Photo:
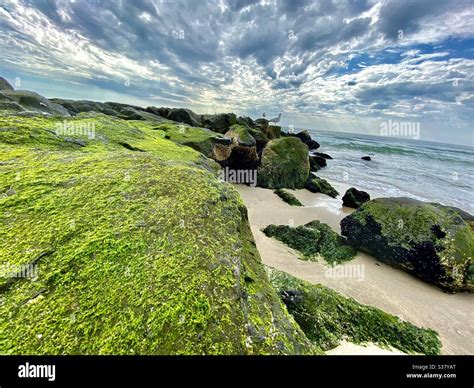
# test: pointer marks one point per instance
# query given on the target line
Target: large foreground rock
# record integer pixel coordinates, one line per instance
(284, 164)
(429, 240)
(139, 249)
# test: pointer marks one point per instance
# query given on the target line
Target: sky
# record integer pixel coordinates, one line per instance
(337, 65)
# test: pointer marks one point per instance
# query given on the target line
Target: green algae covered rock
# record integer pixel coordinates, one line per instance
(320, 185)
(428, 240)
(284, 164)
(328, 317)
(131, 250)
(288, 197)
(313, 239)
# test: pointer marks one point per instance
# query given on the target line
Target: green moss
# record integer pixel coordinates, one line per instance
(327, 318)
(312, 239)
(136, 252)
(200, 139)
(241, 134)
(288, 197)
(284, 164)
(320, 185)
(414, 226)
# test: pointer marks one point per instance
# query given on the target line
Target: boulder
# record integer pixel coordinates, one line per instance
(305, 137)
(219, 123)
(243, 150)
(186, 116)
(316, 162)
(261, 139)
(30, 102)
(4, 84)
(428, 240)
(245, 120)
(273, 131)
(320, 185)
(355, 198)
(284, 164)
(322, 155)
(366, 158)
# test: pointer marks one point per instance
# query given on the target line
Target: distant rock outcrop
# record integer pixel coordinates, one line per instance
(4, 84)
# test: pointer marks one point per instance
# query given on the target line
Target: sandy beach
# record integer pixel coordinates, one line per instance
(382, 286)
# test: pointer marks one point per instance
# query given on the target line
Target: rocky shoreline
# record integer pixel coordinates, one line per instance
(141, 185)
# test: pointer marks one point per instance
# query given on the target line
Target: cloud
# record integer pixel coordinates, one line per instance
(333, 60)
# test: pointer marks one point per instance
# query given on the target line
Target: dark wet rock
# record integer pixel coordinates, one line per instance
(428, 240)
(219, 123)
(366, 158)
(4, 84)
(355, 198)
(30, 102)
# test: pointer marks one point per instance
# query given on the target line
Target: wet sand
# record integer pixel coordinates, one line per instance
(392, 290)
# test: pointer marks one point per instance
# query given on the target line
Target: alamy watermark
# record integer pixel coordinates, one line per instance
(81, 129)
(410, 129)
(19, 271)
(248, 177)
(351, 271)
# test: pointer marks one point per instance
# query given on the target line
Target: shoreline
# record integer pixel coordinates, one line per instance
(383, 286)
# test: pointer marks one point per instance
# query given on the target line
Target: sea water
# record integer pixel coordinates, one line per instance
(401, 167)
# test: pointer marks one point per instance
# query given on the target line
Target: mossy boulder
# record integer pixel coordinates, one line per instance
(327, 318)
(428, 240)
(305, 137)
(273, 131)
(355, 198)
(313, 239)
(186, 116)
(320, 185)
(288, 197)
(284, 164)
(316, 162)
(243, 150)
(219, 123)
(138, 250)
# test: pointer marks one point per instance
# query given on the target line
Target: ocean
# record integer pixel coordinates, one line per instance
(422, 170)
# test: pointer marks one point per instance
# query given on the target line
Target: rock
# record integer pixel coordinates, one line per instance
(186, 116)
(354, 198)
(162, 206)
(288, 197)
(163, 112)
(284, 164)
(243, 150)
(262, 124)
(322, 155)
(316, 162)
(219, 123)
(4, 84)
(320, 185)
(30, 102)
(328, 318)
(75, 107)
(366, 158)
(313, 239)
(245, 120)
(273, 131)
(305, 137)
(428, 240)
(261, 139)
